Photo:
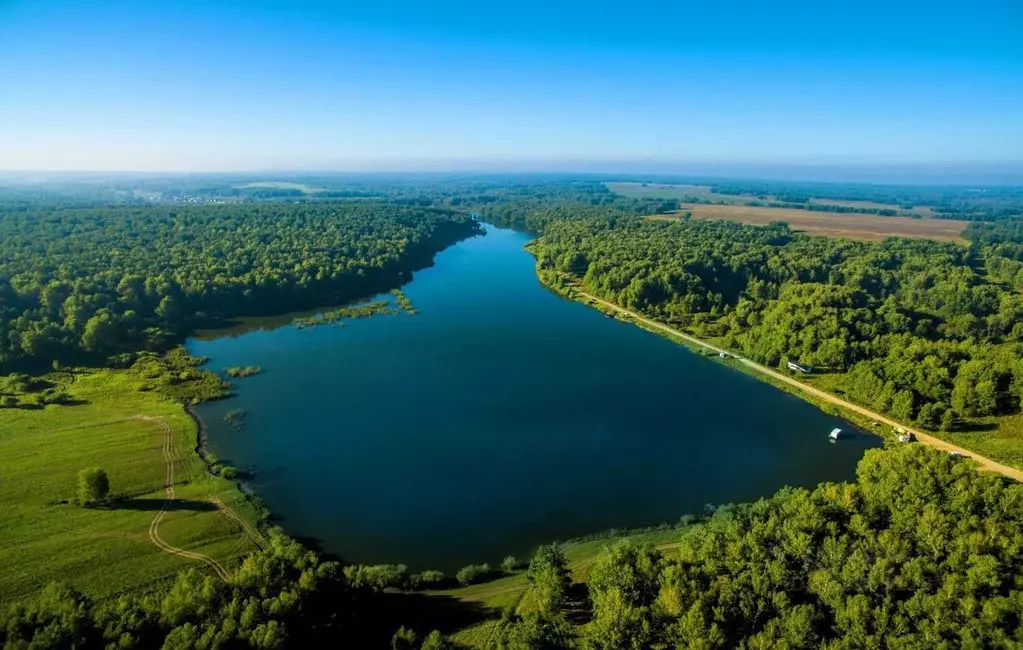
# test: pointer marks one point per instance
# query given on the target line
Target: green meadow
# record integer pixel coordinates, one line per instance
(106, 551)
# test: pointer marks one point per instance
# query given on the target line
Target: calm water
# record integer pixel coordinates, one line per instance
(500, 417)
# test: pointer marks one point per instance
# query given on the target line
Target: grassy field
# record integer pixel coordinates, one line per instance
(106, 551)
(513, 591)
(830, 224)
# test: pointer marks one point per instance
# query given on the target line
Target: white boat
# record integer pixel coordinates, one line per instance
(835, 434)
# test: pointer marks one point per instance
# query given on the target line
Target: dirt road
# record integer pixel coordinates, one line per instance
(985, 463)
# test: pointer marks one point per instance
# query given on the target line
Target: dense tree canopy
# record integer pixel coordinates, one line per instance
(104, 280)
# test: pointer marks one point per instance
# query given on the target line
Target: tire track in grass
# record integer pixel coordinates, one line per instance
(253, 534)
(154, 526)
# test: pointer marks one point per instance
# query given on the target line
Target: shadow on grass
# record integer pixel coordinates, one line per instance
(577, 604)
(975, 427)
(420, 612)
(158, 504)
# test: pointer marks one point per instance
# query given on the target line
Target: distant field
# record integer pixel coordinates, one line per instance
(853, 226)
(105, 551)
(920, 210)
(703, 193)
(664, 191)
(282, 185)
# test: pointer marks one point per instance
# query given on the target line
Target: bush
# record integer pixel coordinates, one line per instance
(509, 564)
(93, 486)
(473, 573)
(427, 579)
(378, 576)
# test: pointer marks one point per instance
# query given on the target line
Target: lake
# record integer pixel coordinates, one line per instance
(499, 417)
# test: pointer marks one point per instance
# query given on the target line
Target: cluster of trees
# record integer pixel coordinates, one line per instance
(824, 207)
(285, 596)
(78, 285)
(1001, 246)
(914, 327)
(921, 551)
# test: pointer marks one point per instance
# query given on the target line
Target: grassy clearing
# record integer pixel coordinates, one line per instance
(106, 551)
(868, 227)
(514, 591)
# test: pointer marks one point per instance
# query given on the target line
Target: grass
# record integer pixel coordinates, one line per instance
(514, 591)
(868, 227)
(105, 552)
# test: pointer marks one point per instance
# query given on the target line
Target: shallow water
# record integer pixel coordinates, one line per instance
(499, 417)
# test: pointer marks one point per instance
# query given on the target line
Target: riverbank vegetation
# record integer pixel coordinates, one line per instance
(912, 328)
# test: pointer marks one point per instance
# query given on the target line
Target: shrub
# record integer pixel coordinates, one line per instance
(378, 576)
(473, 573)
(509, 564)
(93, 486)
(427, 579)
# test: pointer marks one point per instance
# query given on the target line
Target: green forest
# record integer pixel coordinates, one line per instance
(80, 285)
(921, 551)
(919, 329)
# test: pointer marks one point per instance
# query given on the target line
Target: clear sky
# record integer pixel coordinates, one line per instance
(349, 84)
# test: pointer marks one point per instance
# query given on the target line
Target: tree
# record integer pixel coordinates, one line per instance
(436, 641)
(550, 578)
(404, 639)
(93, 486)
(535, 631)
(509, 564)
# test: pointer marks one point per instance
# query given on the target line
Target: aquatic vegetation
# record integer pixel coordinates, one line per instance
(403, 302)
(341, 314)
(235, 418)
(243, 371)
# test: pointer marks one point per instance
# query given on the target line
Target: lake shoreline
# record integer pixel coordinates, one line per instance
(475, 303)
(832, 404)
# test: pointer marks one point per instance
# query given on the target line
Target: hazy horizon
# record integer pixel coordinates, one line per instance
(986, 174)
(307, 85)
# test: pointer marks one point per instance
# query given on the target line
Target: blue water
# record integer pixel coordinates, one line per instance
(500, 417)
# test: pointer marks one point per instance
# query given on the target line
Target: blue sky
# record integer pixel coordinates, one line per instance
(178, 85)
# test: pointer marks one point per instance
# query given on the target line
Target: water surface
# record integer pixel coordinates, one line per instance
(500, 417)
